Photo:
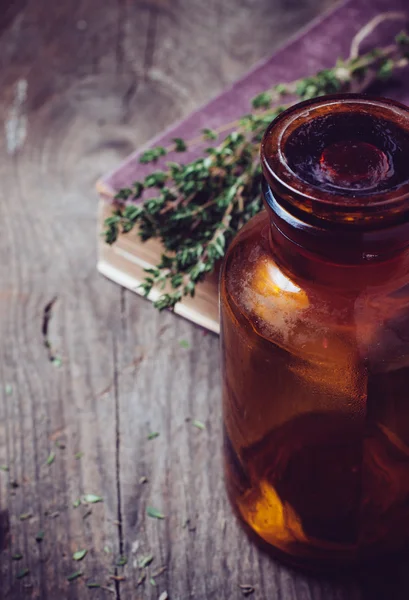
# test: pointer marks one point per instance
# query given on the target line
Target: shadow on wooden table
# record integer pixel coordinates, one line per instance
(4, 537)
(383, 579)
(388, 580)
(4, 529)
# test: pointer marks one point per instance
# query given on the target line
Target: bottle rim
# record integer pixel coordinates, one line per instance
(313, 202)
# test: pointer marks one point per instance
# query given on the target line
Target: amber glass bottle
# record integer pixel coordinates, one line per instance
(315, 336)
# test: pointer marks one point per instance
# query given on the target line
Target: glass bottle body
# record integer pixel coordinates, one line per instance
(315, 395)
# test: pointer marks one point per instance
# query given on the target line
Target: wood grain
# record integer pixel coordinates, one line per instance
(82, 86)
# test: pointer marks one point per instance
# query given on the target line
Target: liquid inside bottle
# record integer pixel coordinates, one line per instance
(315, 339)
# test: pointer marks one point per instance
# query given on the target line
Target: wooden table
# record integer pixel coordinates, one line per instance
(89, 368)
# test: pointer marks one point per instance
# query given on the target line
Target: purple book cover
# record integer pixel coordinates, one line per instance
(314, 48)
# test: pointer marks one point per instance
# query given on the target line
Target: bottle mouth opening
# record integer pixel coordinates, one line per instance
(343, 158)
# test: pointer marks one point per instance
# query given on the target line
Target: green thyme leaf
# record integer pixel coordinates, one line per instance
(17, 556)
(209, 134)
(155, 179)
(8, 389)
(198, 424)
(180, 145)
(78, 455)
(4, 468)
(263, 100)
(184, 344)
(152, 155)
(76, 503)
(402, 38)
(92, 584)
(281, 89)
(153, 435)
(386, 69)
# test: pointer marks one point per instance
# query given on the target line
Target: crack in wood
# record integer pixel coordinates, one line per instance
(118, 461)
(119, 47)
(120, 58)
(150, 41)
(127, 99)
(132, 365)
(47, 316)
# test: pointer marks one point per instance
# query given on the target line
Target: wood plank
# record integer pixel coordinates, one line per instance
(64, 126)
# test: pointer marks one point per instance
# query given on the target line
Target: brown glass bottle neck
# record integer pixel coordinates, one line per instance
(334, 253)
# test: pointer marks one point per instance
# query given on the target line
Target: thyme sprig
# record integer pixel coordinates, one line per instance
(195, 209)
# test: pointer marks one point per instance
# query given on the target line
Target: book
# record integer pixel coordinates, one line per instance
(316, 47)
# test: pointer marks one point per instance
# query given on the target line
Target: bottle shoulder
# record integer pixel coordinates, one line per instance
(257, 290)
(252, 276)
(305, 316)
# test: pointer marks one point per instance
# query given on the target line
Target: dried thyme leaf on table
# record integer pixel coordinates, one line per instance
(22, 573)
(51, 458)
(17, 556)
(159, 572)
(80, 554)
(196, 208)
(92, 499)
(122, 561)
(57, 361)
(154, 513)
(74, 576)
(117, 578)
(145, 561)
(39, 536)
(246, 589)
(25, 516)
